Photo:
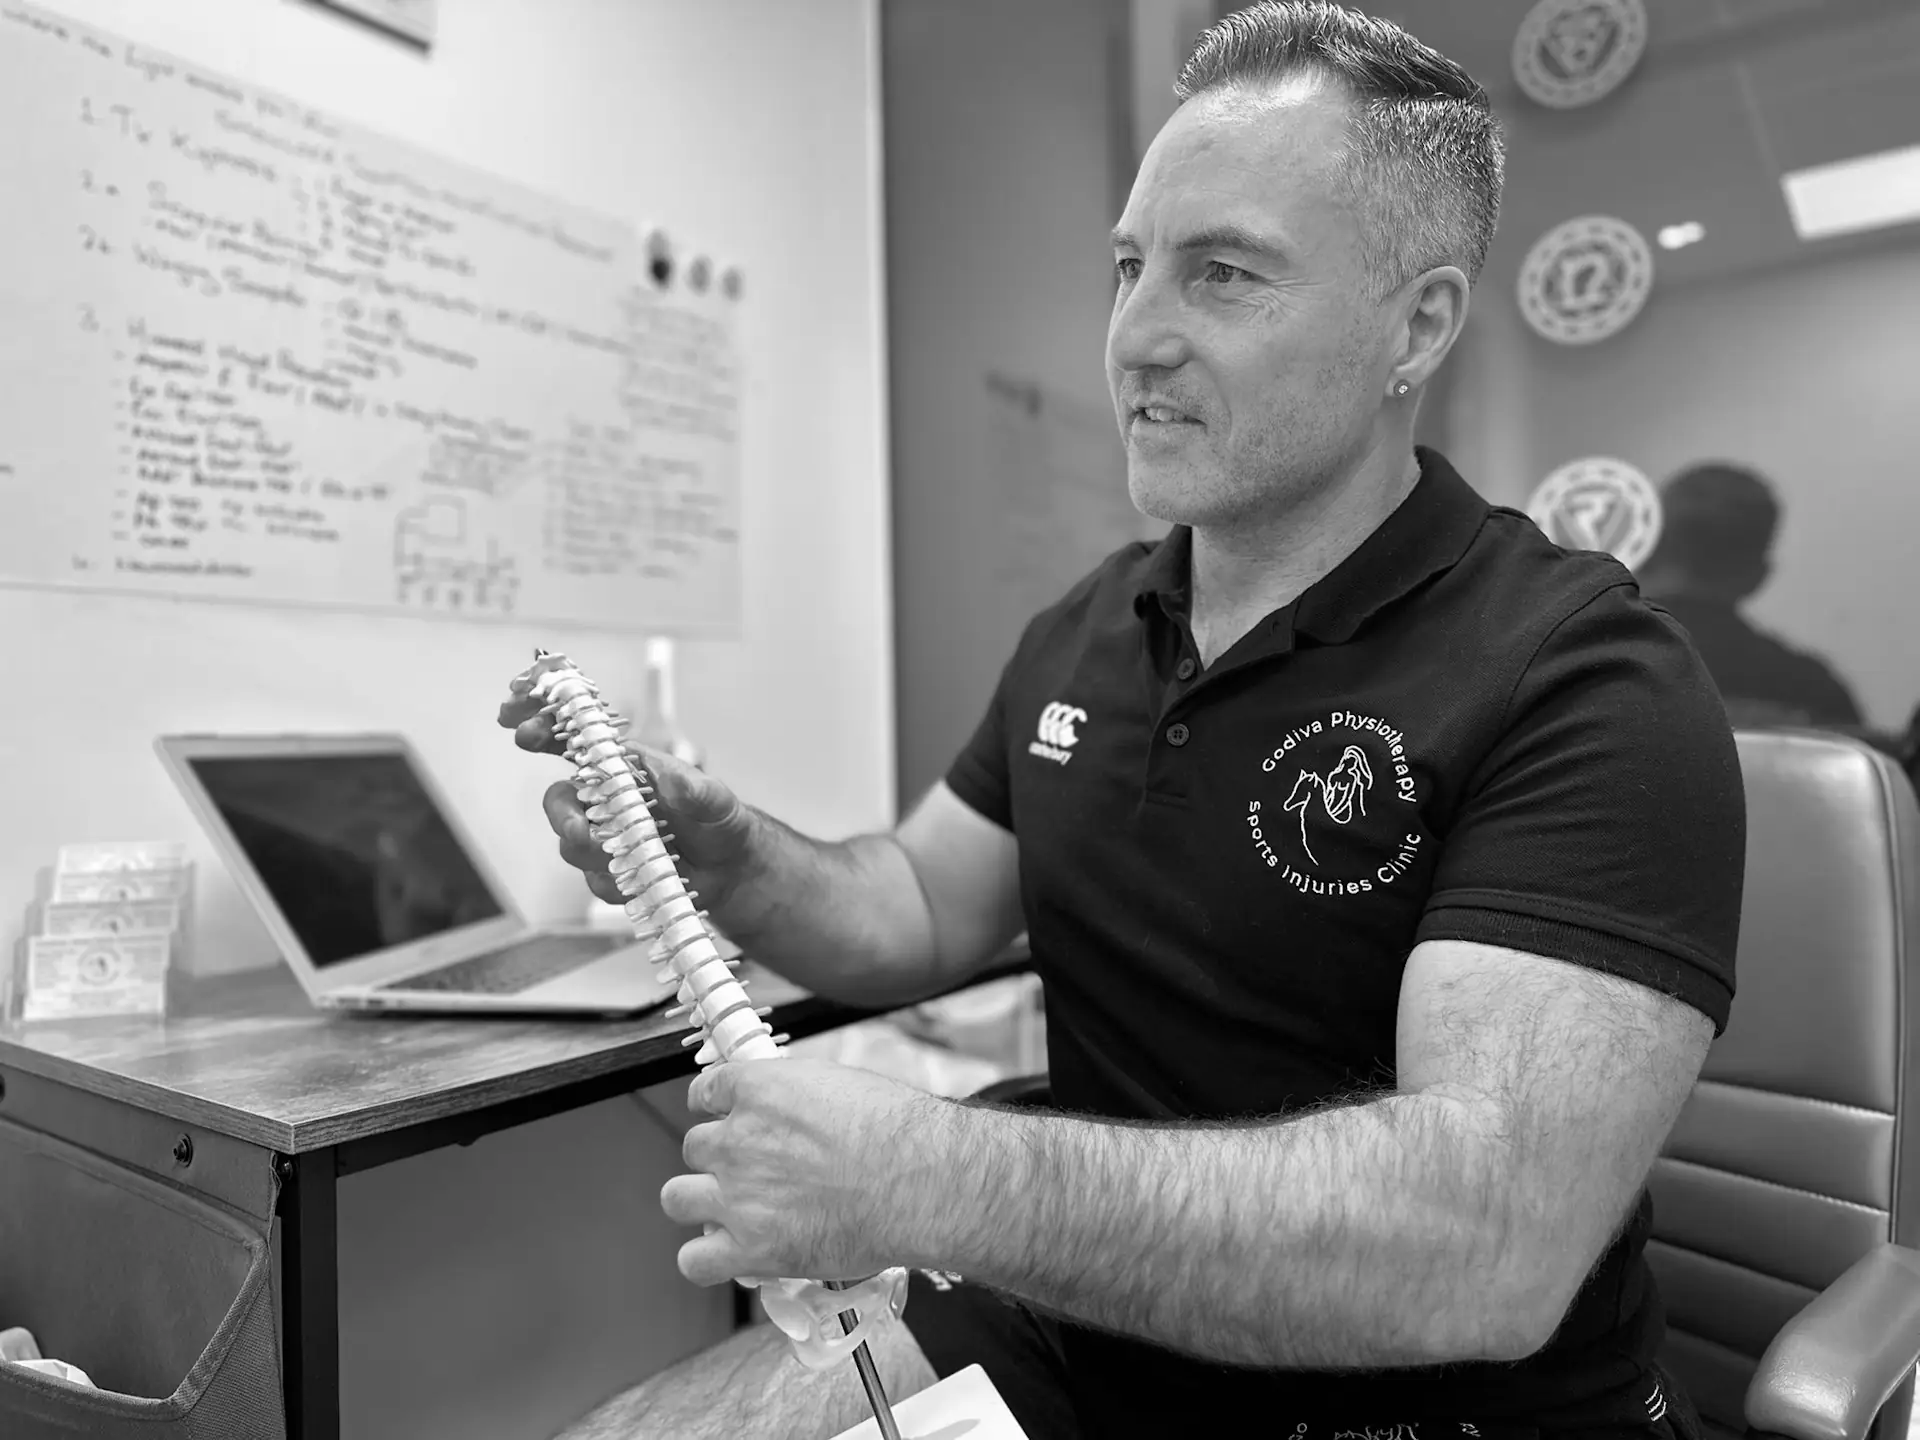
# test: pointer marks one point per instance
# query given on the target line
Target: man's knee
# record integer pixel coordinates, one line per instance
(750, 1385)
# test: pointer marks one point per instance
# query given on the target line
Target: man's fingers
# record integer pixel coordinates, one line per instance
(566, 816)
(660, 771)
(537, 735)
(585, 855)
(590, 860)
(712, 1259)
(531, 729)
(699, 1148)
(691, 1199)
(684, 789)
(568, 821)
(712, 1090)
(519, 706)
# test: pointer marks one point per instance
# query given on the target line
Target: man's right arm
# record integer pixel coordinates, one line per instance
(881, 919)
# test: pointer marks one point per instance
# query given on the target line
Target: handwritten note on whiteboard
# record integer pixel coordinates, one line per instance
(250, 352)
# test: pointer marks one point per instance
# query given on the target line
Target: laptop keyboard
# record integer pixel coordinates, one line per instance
(518, 967)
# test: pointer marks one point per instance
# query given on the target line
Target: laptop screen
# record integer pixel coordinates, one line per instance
(352, 848)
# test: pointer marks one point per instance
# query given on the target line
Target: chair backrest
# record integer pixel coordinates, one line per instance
(1799, 1150)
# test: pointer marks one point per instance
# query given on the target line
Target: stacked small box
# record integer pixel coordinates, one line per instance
(106, 931)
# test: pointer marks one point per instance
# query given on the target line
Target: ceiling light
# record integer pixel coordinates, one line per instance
(1673, 237)
(1863, 193)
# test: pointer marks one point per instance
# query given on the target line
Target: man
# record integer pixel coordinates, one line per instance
(1362, 1089)
(1715, 552)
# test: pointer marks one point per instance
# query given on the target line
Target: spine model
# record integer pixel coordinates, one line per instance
(618, 792)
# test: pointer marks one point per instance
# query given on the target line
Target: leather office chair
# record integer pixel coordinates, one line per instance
(1786, 1205)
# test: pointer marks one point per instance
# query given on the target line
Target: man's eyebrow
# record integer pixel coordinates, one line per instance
(1214, 237)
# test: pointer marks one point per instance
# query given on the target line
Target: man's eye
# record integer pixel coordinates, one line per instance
(1223, 273)
(1127, 269)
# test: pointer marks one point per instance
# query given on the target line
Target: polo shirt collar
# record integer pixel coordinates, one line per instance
(1426, 535)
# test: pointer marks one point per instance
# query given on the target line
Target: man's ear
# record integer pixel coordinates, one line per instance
(1434, 310)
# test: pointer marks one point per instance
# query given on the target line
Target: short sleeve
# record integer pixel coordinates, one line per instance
(978, 774)
(1607, 827)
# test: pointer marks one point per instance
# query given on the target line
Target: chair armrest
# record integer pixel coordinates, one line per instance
(1833, 1365)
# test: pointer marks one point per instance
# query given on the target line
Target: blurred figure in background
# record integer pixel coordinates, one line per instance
(1715, 552)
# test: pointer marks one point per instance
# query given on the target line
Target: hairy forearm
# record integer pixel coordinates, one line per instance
(1360, 1237)
(847, 919)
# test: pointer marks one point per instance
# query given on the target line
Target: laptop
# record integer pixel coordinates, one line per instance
(376, 896)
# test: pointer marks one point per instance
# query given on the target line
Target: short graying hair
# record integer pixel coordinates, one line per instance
(1425, 159)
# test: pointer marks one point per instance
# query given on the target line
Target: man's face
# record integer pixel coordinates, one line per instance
(1243, 304)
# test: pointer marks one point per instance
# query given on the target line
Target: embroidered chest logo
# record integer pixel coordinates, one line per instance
(1340, 812)
(1341, 792)
(1057, 735)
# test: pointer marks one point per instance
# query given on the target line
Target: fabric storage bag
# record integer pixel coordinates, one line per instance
(163, 1298)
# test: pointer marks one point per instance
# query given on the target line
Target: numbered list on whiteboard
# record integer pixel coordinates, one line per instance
(252, 352)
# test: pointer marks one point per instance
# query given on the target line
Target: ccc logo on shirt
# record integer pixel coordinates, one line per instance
(1329, 782)
(1057, 736)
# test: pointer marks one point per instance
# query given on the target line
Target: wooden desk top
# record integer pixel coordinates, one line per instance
(250, 1058)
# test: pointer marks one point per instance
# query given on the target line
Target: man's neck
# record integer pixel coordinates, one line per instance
(1243, 572)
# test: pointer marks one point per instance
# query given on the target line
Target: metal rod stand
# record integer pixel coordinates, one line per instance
(869, 1374)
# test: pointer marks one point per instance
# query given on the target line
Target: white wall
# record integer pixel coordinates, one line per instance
(1006, 149)
(751, 125)
(498, 1290)
(1805, 372)
(1163, 32)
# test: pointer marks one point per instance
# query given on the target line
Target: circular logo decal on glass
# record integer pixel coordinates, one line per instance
(1571, 52)
(1585, 279)
(1599, 503)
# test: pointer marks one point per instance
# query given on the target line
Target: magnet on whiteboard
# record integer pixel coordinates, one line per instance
(660, 258)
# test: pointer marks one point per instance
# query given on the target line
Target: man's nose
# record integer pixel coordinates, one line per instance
(1146, 330)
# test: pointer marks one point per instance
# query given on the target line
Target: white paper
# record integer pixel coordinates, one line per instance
(106, 856)
(964, 1406)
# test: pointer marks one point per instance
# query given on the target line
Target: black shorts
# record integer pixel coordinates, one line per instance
(957, 1324)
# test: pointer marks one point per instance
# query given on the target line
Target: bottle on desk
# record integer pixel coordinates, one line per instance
(658, 725)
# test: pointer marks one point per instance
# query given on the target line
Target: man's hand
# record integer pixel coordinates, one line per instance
(803, 1173)
(709, 825)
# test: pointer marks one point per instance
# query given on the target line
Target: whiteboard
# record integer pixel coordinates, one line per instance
(253, 353)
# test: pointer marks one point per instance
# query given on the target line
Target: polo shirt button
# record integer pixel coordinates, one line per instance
(1176, 734)
(1184, 670)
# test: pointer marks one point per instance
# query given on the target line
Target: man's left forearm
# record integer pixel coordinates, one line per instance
(1373, 1235)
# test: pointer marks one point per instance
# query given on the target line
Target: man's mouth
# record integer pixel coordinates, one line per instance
(1163, 415)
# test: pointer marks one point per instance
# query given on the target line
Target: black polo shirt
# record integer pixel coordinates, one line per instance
(1461, 732)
